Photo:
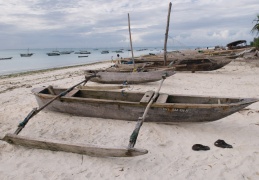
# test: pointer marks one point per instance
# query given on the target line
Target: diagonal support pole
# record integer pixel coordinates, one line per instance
(134, 135)
(36, 110)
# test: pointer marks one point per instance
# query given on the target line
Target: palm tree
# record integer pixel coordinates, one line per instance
(255, 29)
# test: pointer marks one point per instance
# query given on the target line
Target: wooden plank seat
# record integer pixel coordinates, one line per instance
(72, 93)
(162, 98)
(147, 97)
(51, 90)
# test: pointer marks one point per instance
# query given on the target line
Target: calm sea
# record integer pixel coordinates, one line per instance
(40, 60)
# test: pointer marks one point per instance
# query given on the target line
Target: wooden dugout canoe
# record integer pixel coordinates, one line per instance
(202, 64)
(188, 64)
(131, 105)
(120, 77)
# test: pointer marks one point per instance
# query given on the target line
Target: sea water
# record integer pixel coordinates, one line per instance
(40, 60)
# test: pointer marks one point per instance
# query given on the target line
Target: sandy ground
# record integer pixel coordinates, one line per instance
(170, 146)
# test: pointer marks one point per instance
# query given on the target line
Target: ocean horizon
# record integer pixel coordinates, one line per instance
(40, 60)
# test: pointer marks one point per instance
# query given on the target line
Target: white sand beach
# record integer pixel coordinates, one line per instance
(170, 153)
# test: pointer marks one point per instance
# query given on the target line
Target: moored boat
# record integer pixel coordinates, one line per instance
(53, 54)
(26, 54)
(105, 52)
(6, 58)
(82, 56)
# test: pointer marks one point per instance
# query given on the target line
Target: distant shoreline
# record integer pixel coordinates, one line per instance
(49, 69)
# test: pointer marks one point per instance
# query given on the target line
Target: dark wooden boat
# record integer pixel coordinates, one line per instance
(124, 76)
(26, 55)
(85, 52)
(200, 64)
(6, 58)
(82, 56)
(53, 54)
(105, 52)
(188, 63)
(131, 105)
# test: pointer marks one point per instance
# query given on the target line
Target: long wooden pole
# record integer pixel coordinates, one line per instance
(131, 41)
(134, 135)
(36, 110)
(166, 33)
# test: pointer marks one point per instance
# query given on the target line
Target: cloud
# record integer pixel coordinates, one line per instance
(103, 23)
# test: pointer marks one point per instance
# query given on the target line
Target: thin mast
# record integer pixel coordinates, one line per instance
(131, 41)
(166, 33)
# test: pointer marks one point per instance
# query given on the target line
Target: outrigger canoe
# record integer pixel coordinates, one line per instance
(55, 145)
(121, 77)
(130, 105)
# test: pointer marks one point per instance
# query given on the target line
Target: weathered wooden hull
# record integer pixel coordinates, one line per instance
(129, 106)
(106, 77)
(210, 66)
(189, 64)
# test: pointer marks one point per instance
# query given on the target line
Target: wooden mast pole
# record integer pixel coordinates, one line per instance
(166, 33)
(131, 41)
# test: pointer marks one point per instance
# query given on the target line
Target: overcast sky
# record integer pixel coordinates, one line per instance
(104, 23)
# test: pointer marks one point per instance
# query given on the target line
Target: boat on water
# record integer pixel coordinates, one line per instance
(6, 58)
(105, 52)
(128, 105)
(53, 54)
(82, 56)
(118, 51)
(84, 52)
(65, 52)
(26, 54)
(128, 77)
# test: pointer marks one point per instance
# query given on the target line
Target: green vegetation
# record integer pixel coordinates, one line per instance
(255, 43)
(255, 29)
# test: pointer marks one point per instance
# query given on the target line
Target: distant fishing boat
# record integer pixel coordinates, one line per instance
(82, 56)
(105, 52)
(85, 52)
(26, 54)
(53, 54)
(118, 51)
(66, 52)
(6, 58)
